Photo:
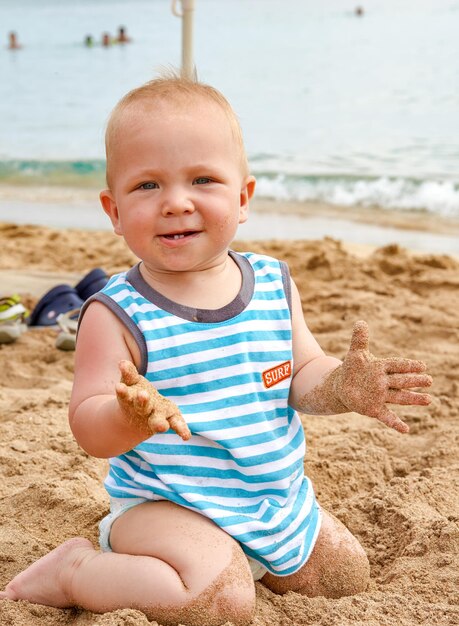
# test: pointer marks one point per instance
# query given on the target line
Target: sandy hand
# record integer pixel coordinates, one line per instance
(366, 384)
(142, 403)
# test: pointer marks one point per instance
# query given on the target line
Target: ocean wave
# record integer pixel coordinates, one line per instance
(435, 196)
(79, 173)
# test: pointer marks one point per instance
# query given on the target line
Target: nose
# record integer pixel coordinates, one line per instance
(176, 201)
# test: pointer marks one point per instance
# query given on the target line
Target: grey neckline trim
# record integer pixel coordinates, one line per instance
(191, 314)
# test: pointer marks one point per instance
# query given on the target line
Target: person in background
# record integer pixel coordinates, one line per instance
(106, 40)
(88, 41)
(13, 41)
(122, 36)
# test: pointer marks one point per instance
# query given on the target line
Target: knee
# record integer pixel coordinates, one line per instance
(235, 604)
(346, 572)
(343, 565)
(219, 604)
(337, 567)
(349, 574)
(232, 598)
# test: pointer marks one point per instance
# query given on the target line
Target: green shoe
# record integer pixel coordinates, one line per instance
(13, 316)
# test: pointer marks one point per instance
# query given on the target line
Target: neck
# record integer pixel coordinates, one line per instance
(209, 288)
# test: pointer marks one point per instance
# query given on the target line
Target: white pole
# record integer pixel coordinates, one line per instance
(186, 14)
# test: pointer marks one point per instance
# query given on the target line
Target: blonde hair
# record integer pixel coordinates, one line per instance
(178, 91)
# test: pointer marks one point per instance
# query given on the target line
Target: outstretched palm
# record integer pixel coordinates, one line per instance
(366, 384)
(142, 403)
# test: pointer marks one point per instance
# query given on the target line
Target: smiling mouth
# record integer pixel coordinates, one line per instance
(176, 236)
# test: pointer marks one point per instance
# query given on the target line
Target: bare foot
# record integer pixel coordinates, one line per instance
(44, 582)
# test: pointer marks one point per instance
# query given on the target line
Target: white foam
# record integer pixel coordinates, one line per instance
(435, 196)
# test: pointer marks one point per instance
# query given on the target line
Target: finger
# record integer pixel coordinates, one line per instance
(360, 336)
(142, 399)
(395, 365)
(158, 424)
(392, 420)
(129, 373)
(180, 426)
(407, 381)
(394, 396)
(122, 390)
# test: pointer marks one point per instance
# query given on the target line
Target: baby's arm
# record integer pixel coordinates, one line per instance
(361, 382)
(102, 409)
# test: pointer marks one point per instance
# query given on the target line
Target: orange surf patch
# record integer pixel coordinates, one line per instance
(276, 374)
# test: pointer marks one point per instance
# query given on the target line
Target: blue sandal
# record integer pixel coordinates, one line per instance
(91, 283)
(58, 300)
(60, 307)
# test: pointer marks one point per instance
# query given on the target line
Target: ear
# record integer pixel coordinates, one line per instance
(246, 194)
(109, 205)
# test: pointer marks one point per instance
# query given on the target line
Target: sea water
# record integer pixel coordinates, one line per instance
(336, 107)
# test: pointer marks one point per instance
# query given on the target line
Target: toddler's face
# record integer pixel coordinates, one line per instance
(178, 191)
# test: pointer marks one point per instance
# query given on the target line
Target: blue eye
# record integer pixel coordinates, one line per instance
(148, 186)
(202, 180)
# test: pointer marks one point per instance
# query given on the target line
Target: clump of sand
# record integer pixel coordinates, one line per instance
(399, 494)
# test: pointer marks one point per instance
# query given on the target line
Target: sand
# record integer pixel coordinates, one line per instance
(399, 494)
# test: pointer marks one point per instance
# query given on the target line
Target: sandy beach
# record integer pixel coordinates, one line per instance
(398, 494)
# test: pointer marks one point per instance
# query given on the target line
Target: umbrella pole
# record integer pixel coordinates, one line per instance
(187, 70)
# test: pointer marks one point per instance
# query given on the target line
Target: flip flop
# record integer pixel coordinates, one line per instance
(59, 299)
(93, 282)
(12, 318)
(68, 323)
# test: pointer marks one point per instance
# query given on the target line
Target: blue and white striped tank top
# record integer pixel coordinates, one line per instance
(229, 370)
